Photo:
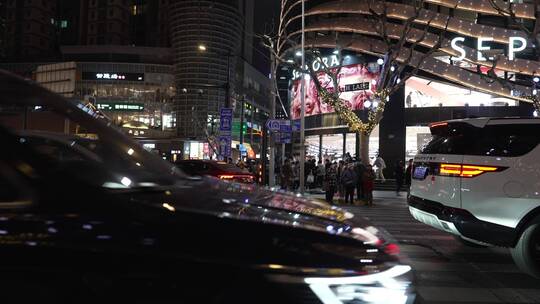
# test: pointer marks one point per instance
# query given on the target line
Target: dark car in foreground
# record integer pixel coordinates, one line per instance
(92, 217)
(221, 170)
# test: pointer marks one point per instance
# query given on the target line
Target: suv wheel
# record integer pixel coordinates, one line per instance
(526, 254)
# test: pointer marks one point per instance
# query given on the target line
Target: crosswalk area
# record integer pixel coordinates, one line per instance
(446, 270)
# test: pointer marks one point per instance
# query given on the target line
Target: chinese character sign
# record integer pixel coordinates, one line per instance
(357, 85)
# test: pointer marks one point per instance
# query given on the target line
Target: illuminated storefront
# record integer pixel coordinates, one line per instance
(404, 129)
(130, 94)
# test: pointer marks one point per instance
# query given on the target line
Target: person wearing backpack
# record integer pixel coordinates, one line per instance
(348, 179)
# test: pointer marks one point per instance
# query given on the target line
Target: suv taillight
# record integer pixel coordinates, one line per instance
(466, 170)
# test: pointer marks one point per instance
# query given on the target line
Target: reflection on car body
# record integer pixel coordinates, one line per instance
(105, 220)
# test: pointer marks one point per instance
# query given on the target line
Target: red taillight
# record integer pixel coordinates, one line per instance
(450, 169)
(465, 170)
(392, 249)
(438, 124)
(471, 171)
(249, 178)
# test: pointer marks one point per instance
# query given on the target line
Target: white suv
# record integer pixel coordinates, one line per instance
(480, 180)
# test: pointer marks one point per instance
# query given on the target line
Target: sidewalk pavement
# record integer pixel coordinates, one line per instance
(378, 197)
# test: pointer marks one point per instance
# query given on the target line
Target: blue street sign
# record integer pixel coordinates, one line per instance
(225, 145)
(225, 120)
(273, 124)
(285, 138)
(282, 138)
(296, 126)
(285, 129)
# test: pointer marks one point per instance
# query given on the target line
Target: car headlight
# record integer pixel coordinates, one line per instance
(382, 287)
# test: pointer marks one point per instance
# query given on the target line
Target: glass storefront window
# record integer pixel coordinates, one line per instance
(350, 144)
(313, 144)
(333, 147)
(422, 93)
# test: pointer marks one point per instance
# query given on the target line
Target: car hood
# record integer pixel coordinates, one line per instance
(263, 228)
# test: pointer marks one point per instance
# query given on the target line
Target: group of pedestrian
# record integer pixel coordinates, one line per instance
(290, 175)
(346, 177)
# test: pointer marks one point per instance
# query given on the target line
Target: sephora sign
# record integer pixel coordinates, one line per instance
(515, 44)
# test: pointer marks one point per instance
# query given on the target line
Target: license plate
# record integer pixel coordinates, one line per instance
(420, 173)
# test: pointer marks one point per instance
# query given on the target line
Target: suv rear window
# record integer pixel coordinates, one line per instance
(493, 140)
(450, 139)
(506, 140)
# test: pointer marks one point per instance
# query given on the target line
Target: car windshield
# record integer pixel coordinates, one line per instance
(76, 139)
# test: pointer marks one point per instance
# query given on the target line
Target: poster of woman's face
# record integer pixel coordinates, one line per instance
(356, 84)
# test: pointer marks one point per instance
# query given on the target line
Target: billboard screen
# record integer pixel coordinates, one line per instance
(357, 84)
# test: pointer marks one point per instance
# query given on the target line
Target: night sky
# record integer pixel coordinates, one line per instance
(266, 16)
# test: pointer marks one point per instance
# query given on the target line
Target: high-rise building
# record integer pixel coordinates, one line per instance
(207, 45)
(107, 22)
(30, 31)
(206, 37)
(34, 30)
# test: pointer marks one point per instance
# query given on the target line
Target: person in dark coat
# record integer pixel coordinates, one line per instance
(368, 183)
(330, 181)
(286, 175)
(349, 180)
(408, 172)
(399, 173)
(340, 188)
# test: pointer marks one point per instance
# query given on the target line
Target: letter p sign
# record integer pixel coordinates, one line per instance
(512, 49)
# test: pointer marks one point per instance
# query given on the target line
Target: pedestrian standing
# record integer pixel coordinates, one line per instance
(408, 175)
(340, 188)
(296, 175)
(348, 179)
(359, 168)
(320, 174)
(286, 175)
(399, 173)
(381, 165)
(330, 181)
(367, 182)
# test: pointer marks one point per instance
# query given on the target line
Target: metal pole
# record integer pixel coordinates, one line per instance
(228, 84)
(271, 164)
(302, 108)
(263, 154)
(282, 154)
(242, 123)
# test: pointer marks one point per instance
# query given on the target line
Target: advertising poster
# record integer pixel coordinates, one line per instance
(357, 84)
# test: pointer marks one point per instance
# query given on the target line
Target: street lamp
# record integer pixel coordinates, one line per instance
(202, 47)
